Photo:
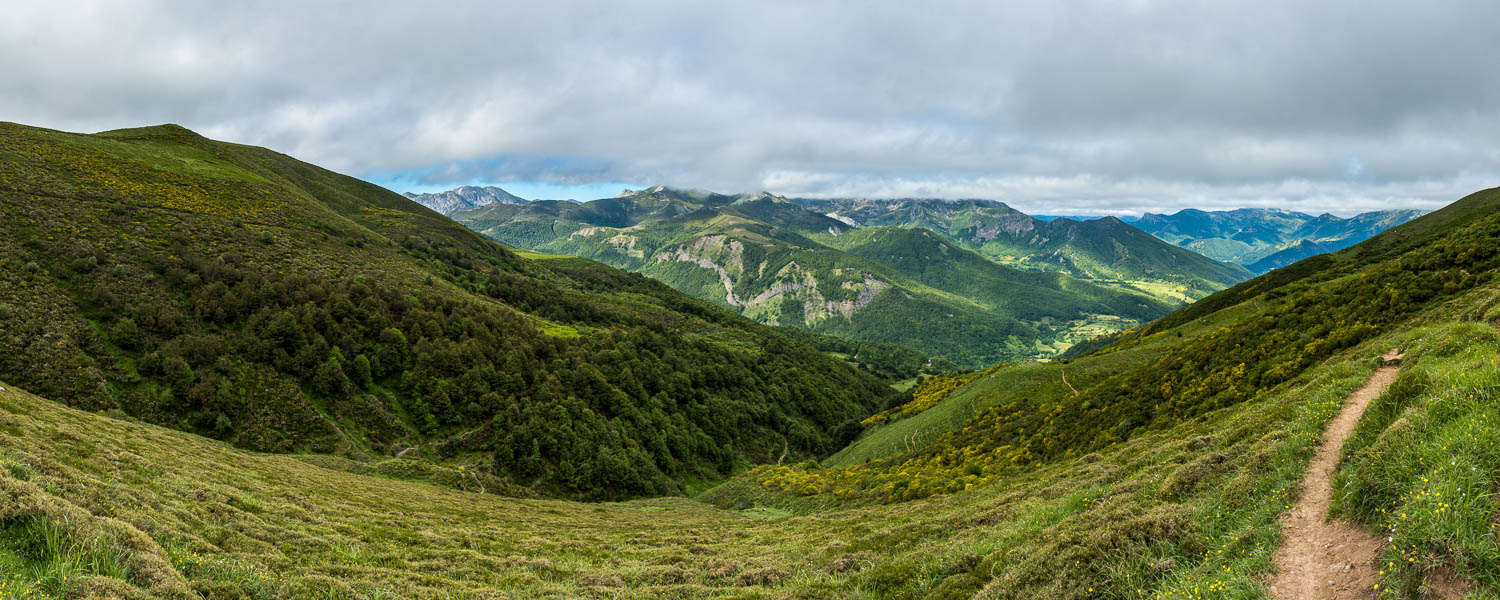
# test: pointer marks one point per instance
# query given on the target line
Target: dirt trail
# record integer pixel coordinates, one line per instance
(1322, 559)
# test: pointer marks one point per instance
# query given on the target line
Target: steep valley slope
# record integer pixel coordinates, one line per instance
(239, 294)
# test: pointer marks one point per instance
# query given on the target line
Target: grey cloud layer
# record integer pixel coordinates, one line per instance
(1120, 106)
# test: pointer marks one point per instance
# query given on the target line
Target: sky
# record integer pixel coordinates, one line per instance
(1055, 107)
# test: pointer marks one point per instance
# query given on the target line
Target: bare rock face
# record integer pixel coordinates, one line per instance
(465, 197)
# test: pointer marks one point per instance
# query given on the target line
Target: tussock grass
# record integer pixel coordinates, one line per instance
(43, 556)
(1422, 467)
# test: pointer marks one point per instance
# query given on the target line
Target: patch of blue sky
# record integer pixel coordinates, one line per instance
(529, 177)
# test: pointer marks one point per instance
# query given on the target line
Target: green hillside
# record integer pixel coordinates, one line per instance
(778, 263)
(1420, 288)
(236, 293)
(1105, 251)
(1030, 295)
(1217, 353)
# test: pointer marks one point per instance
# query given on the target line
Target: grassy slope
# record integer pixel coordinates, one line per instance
(214, 287)
(1421, 469)
(1189, 508)
(1031, 382)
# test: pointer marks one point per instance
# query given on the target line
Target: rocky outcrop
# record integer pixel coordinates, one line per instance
(465, 197)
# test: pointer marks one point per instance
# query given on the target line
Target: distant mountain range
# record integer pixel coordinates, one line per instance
(1125, 218)
(465, 197)
(985, 283)
(1266, 238)
(1105, 250)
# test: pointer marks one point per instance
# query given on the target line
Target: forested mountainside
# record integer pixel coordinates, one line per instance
(1264, 238)
(1156, 464)
(1105, 251)
(242, 295)
(779, 263)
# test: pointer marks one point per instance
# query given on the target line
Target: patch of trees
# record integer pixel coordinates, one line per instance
(891, 362)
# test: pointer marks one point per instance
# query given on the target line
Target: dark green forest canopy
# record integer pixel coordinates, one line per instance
(238, 293)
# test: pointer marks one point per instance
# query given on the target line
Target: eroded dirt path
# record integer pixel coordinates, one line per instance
(1323, 559)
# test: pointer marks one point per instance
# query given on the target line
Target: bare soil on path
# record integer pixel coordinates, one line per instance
(1322, 559)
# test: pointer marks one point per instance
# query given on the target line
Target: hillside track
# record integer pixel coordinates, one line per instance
(1324, 559)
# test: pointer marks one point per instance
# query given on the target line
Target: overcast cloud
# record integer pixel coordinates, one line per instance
(1054, 107)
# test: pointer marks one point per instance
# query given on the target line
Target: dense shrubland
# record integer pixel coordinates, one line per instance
(926, 393)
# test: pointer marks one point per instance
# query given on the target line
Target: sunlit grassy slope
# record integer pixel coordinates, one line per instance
(1032, 382)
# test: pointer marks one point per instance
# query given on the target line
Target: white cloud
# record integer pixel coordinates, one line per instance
(1083, 107)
